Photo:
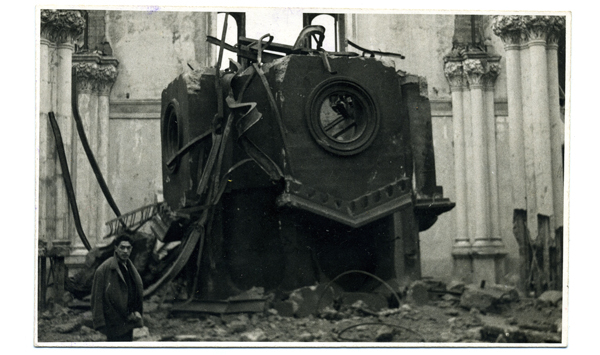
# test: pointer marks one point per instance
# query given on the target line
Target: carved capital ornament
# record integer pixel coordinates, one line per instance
(61, 26)
(489, 78)
(454, 74)
(515, 29)
(93, 77)
(474, 70)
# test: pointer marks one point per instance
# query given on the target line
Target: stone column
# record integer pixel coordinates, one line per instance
(95, 76)
(86, 70)
(485, 245)
(67, 26)
(46, 215)
(62, 27)
(532, 39)
(489, 80)
(557, 125)
(541, 116)
(461, 249)
(107, 76)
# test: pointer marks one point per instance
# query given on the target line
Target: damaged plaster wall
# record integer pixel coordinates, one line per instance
(153, 48)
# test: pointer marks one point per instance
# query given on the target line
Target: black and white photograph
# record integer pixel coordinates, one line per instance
(293, 177)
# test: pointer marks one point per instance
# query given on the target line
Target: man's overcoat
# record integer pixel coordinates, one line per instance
(109, 297)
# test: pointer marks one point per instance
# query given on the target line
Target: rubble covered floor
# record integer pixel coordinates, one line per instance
(445, 319)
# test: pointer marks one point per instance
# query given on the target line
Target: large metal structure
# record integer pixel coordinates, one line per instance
(296, 165)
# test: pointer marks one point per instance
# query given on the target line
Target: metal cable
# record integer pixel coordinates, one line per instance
(67, 179)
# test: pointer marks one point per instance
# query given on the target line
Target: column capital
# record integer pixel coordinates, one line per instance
(557, 25)
(453, 69)
(474, 69)
(61, 26)
(489, 78)
(544, 28)
(511, 28)
(95, 76)
(86, 76)
(516, 29)
(107, 75)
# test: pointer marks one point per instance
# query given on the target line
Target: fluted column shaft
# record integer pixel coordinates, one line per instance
(108, 78)
(454, 74)
(515, 126)
(557, 133)
(95, 76)
(46, 167)
(490, 122)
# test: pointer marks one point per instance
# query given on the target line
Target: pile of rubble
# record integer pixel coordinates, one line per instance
(429, 311)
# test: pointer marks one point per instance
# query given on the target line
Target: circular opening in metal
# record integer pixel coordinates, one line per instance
(342, 116)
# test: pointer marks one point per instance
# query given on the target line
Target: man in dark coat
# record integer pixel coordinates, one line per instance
(117, 293)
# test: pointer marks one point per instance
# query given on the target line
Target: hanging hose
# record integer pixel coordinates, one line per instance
(67, 179)
(339, 335)
(359, 272)
(88, 151)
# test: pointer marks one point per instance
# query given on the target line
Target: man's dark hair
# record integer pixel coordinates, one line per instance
(122, 238)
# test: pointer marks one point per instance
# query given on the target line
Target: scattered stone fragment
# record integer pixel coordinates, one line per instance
(255, 293)
(418, 293)
(238, 326)
(550, 297)
(473, 333)
(254, 335)
(406, 307)
(501, 335)
(86, 330)
(368, 301)
(140, 333)
(512, 321)
(150, 307)
(154, 299)
(46, 315)
(330, 313)
(321, 334)
(385, 334)
(456, 286)
(448, 337)
(389, 312)
(285, 308)
(310, 300)
(67, 327)
(85, 319)
(187, 338)
(149, 320)
(450, 298)
(220, 331)
(451, 312)
(558, 325)
(272, 311)
(306, 337)
(488, 298)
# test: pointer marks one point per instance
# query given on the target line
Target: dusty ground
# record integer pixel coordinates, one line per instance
(438, 321)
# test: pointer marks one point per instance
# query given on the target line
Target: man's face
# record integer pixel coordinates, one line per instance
(123, 250)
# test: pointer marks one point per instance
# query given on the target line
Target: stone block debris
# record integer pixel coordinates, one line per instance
(370, 301)
(550, 297)
(418, 293)
(254, 335)
(488, 298)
